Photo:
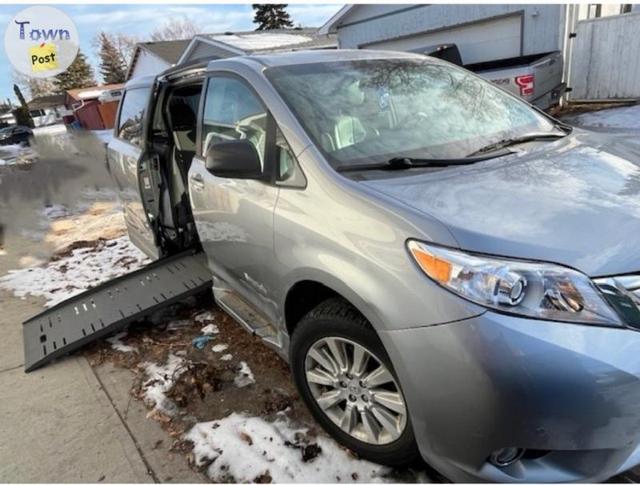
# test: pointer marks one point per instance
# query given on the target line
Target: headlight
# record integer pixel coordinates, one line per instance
(539, 290)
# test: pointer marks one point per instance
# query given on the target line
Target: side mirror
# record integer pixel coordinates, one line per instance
(236, 159)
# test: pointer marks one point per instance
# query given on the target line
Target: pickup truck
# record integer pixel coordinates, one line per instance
(535, 78)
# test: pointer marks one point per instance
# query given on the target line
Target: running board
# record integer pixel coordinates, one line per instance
(111, 306)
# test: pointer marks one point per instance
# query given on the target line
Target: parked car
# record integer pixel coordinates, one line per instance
(13, 135)
(450, 272)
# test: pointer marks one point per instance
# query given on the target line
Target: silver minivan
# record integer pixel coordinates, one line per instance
(451, 273)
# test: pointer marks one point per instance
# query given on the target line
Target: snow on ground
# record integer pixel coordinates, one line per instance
(117, 343)
(244, 449)
(226, 357)
(16, 154)
(84, 268)
(55, 211)
(206, 316)
(104, 136)
(244, 376)
(210, 329)
(161, 379)
(219, 348)
(627, 117)
(50, 130)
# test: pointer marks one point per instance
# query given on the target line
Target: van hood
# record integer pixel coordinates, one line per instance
(575, 201)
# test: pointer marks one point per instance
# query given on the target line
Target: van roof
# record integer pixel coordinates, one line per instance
(278, 59)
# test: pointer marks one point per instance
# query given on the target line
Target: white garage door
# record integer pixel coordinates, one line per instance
(478, 42)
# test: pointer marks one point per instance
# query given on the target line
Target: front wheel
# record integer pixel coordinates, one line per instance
(346, 379)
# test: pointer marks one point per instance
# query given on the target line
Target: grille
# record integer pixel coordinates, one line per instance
(623, 294)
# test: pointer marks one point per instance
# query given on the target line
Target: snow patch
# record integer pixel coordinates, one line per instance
(625, 117)
(55, 211)
(244, 376)
(207, 316)
(104, 136)
(117, 343)
(241, 449)
(50, 130)
(226, 357)
(260, 41)
(161, 379)
(221, 348)
(83, 269)
(16, 154)
(210, 329)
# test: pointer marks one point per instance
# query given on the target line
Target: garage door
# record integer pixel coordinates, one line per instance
(478, 42)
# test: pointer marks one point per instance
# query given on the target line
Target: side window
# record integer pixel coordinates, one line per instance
(132, 114)
(233, 112)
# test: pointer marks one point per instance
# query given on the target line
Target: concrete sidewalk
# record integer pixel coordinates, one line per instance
(68, 422)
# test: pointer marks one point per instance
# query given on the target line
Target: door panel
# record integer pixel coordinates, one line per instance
(129, 168)
(234, 218)
(124, 161)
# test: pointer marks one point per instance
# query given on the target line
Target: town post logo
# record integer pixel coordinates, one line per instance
(41, 41)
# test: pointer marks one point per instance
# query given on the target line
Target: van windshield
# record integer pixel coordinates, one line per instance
(370, 111)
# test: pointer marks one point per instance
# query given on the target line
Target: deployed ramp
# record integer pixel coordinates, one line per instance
(109, 307)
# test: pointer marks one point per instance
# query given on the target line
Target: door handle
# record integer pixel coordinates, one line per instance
(197, 182)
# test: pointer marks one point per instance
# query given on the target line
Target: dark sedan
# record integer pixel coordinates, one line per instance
(14, 135)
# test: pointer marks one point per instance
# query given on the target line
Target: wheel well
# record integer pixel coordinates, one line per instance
(303, 297)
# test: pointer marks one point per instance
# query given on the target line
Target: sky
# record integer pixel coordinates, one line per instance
(141, 19)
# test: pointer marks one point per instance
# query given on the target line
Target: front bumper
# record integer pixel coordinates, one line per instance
(568, 393)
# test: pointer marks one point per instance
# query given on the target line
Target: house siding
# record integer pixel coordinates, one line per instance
(204, 50)
(148, 64)
(542, 29)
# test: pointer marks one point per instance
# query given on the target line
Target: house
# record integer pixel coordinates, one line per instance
(48, 110)
(95, 108)
(230, 44)
(150, 58)
(481, 32)
(7, 119)
(599, 42)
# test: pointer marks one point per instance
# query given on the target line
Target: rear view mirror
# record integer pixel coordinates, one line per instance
(234, 159)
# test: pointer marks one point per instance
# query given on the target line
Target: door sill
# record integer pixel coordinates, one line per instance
(241, 311)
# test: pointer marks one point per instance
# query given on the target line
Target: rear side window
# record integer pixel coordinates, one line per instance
(132, 114)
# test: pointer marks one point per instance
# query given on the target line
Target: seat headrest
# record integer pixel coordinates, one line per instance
(183, 117)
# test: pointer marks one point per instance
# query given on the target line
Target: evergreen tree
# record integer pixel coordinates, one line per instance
(78, 75)
(271, 16)
(113, 68)
(21, 113)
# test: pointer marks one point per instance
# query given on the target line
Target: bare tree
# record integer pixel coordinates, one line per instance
(175, 29)
(34, 87)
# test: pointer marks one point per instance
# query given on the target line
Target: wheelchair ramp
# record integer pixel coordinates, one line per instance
(109, 307)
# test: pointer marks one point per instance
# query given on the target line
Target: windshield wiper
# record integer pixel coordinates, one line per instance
(405, 163)
(516, 140)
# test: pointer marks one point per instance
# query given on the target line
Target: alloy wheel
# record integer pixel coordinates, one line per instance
(355, 390)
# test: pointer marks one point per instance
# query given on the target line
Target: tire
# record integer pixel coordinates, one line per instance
(336, 320)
